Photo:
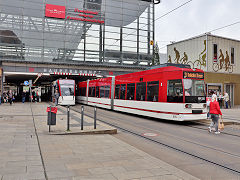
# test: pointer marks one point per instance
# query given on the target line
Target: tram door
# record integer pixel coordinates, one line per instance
(229, 89)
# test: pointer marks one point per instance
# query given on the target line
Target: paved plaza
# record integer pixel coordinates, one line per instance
(28, 151)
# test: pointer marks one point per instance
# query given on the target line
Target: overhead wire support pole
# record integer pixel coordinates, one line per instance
(68, 118)
(95, 117)
(82, 113)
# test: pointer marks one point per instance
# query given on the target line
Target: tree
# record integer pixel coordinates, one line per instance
(156, 56)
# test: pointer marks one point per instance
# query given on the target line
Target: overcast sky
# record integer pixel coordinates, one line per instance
(195, 18)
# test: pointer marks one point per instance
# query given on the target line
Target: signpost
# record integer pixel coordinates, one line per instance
(26, 83)
(30, 88)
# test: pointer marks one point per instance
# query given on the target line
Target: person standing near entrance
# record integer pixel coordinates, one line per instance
(226, 99)
(23, 96)
(56, 97)
(214, 113)
(10, 97)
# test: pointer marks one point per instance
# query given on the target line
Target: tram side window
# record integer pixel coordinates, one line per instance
(97, 91)
(152, 91)
(175, 91)
(107, 91)
(83, 91)
(130, 91)
(141, 91)
(123, 91)
(101, 91)
(117, 89)
(91, 91)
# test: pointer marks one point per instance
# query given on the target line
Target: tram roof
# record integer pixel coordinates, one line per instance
(163, 68)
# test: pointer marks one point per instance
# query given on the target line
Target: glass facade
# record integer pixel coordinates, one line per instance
(113, 32)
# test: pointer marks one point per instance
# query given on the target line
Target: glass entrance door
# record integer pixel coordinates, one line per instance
(229, 89)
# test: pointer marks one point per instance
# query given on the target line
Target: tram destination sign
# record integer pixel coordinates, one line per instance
(193, 75)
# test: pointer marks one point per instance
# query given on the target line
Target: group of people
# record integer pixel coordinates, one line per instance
(215, 111)
(222, 99)
(7, 97)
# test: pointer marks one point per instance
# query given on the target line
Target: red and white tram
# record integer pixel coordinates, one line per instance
(169, 92)
(66, 90)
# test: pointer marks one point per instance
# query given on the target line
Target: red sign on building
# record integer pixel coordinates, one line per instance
(55, 11)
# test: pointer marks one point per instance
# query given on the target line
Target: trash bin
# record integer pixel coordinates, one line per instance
(51, 120)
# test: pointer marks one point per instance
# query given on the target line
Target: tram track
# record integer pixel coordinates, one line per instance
(167, 145)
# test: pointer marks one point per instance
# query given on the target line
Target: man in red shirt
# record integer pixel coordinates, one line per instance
(214, 112)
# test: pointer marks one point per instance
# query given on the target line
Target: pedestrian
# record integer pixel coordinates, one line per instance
(0, 99)
(214, 113)
(226, 99)
(56, 97)
(220, 100)
(23, 96)
(10, 97)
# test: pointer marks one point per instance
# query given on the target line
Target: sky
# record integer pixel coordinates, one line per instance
(195, 18)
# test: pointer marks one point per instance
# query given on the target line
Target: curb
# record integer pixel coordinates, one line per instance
(109, 131)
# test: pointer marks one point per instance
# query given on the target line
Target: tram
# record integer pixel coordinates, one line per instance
(169, 92)
(66, 90)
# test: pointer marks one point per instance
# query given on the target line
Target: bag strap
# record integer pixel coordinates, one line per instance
(222, 119)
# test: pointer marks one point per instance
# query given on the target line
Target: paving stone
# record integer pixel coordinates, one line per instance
(106, 170)
(132, 174)
(96, 177)
(13, 170)
(32, 169)
(60, 174)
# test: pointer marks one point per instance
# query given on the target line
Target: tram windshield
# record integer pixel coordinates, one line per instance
(194, 91)
(67, 88)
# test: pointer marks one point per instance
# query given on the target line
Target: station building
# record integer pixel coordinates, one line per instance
(218, 56)
(73, 38)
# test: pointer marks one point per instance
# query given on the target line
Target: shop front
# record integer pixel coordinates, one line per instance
(220, 83)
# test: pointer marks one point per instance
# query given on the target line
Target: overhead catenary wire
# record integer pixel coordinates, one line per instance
(223, 27)
(159, 17)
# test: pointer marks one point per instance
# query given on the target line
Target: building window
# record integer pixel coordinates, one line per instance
(232, 55)
(141, 91)
(215, 52)
(152, 91)
(130, 91)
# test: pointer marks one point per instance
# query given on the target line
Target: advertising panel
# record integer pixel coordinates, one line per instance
(55, 11)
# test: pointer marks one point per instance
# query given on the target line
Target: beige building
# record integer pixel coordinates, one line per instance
(218, 56)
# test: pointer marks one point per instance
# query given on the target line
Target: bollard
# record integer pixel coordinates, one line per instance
(49, 128)
(95, 117)
(82, 112)
(68, 118)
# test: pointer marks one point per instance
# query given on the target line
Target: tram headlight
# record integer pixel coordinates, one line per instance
(188, 106)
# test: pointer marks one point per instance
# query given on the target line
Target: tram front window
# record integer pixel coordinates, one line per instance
(175, 91)
(194, 91)
(67, 90)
